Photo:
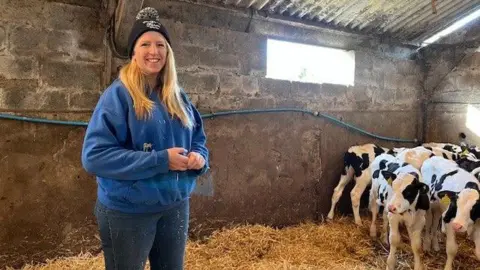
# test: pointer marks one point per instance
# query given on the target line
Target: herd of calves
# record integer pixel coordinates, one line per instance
(427, 188)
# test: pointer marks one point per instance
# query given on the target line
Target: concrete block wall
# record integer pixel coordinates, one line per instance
(52, 59)
(452, 73)
(51, 55)
(453, 94)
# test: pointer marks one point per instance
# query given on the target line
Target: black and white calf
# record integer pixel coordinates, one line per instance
(416, 156)
(470, 164)
(457, 149)
(408, 204)
(381, 191)
(474, 150)
(455, 199)
(357, 165)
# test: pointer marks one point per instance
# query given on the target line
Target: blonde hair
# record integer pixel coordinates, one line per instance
(134, 80)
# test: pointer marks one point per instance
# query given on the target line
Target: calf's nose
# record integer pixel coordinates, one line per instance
(457, 227)
(392, 208)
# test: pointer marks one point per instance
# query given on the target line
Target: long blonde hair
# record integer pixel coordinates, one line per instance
(134, 80)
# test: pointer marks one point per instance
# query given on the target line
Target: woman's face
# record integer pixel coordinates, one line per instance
(150, 53)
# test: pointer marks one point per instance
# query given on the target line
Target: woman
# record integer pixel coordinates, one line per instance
(146, 145)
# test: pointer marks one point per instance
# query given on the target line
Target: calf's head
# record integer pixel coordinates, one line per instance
(464, 208)
(409, 193)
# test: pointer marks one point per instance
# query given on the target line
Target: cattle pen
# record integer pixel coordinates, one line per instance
(340, 134)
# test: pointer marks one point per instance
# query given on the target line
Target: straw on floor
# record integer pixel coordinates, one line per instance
(335, 245)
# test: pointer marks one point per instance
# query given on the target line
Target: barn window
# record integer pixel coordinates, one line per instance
(308, 63)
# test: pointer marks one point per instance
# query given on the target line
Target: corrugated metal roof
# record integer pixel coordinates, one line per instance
(406, 20)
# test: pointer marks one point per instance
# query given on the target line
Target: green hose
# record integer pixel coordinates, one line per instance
(213, 115)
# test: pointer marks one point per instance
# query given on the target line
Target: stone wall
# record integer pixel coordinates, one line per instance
(271, 168)
(454, 98)
(48, 59)
(452, 75)
(52, 59)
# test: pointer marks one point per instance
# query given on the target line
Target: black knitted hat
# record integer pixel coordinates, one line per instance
(147, 20)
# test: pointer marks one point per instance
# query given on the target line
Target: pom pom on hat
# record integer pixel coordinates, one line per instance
(148, 13)
(147, 19)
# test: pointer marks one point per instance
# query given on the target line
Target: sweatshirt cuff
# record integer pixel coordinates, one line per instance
(162, 160)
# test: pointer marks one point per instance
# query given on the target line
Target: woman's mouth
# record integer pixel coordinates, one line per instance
(153, 60)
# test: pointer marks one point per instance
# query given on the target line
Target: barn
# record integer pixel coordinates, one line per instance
(297, 99)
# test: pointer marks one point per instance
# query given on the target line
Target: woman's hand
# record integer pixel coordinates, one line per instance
(176, 160)
(195, 161)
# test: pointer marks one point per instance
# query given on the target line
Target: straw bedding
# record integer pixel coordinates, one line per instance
(335, 245)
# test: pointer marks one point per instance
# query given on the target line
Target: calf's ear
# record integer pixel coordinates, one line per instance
(475, 212)
(472, 185)
(388, 174)
(424, 188)
(423, 202)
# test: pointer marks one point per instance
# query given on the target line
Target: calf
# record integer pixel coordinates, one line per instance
(453, 192)
(445, 146)
(474, 150)
(416, 156)
(380, 191)
(408, 205)
(357, 163)
(468, 163)
(462, 215)
(437, 173)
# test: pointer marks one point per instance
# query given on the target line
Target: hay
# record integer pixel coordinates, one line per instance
(336, 245)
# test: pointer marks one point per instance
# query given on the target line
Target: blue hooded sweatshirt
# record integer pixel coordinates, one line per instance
(129, 156)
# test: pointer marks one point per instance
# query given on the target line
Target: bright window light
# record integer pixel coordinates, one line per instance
(472, 123)
(307, 63)
(458, 24)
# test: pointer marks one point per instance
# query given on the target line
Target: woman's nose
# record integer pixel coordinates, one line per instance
(153, 50)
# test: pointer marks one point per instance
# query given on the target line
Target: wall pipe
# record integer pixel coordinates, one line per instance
(225, 113)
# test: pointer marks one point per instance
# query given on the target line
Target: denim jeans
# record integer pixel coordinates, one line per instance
(129, 239)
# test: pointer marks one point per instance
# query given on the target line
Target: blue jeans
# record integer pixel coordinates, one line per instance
(129, 239)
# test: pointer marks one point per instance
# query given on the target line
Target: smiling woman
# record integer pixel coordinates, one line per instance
(146, 145)
(150, 54)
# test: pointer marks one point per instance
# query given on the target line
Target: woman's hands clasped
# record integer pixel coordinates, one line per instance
(178, 161)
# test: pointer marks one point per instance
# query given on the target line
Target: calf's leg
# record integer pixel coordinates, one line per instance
(374, 209)
(337, 192)
(415, 234)
(361, 184)
(394, 221)
(428, 230)
(451, 246)
(436, 217)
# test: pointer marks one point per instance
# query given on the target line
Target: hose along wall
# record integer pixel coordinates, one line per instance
(217, 114)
